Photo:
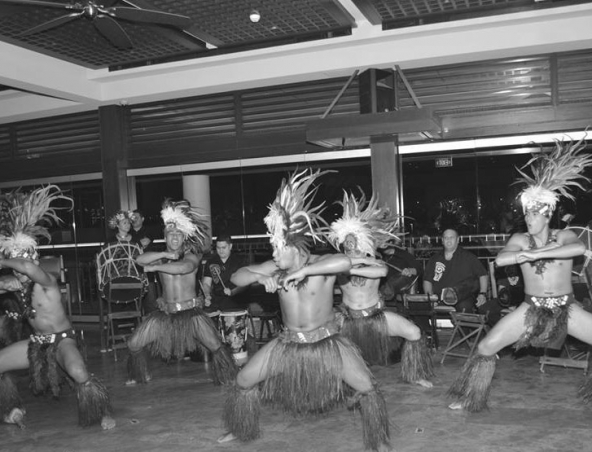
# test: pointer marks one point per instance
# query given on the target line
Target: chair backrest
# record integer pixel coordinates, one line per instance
(119, 278)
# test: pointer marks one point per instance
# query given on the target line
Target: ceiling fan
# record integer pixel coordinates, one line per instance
(104, 18)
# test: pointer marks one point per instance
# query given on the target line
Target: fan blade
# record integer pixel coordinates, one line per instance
(116, 35)
(149, 16)
(40, 3)
(51, 24)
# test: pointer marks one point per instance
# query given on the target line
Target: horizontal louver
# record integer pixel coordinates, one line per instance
(291, 106)
(5, 152)
(61, 135)
(575, 78)
(194, 117)
(493, 85)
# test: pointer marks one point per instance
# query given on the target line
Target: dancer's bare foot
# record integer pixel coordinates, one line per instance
(16, 416)
(424, 383)
(455, 406)
(226, 438)
(107, 423)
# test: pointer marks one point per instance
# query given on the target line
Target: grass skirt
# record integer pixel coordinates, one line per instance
(175, 335)
(375, 424)
(93, 402)
(544, 327)
(471, 388)
(369, 333)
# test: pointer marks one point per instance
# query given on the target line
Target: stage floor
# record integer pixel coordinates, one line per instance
(180, 410)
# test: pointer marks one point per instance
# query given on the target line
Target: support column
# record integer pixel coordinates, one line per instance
(196, 189)
(385, 162)
(114, 155)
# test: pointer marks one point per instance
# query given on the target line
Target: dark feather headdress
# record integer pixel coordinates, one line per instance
(292, 219)
(553, 175)
(181, 216)
(372, 226)
(26, 217)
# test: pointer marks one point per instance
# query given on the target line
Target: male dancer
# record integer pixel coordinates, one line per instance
(180, 325)
(362, 229)
(303, 370)
(53, 344)
(545, 256)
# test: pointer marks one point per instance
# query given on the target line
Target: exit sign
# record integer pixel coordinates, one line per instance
(443, 162)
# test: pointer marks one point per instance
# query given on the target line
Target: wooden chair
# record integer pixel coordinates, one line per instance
(466, 334)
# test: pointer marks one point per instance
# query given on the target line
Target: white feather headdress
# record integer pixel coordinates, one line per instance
(292, 220)
(25, 218)
(181, 216)
(553, 175)
(372, 226)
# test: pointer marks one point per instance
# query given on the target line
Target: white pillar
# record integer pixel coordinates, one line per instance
(196, 189)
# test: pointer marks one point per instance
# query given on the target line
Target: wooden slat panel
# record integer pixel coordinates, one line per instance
(5, 145)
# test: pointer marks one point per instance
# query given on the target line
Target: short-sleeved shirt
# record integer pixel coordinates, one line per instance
(220, 272)
(464, 269)
(140, 234)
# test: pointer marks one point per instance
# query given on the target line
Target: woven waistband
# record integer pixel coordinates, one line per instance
(550, 302)
(51, 338)
(309, 337)
(171, 308)
(366, 312)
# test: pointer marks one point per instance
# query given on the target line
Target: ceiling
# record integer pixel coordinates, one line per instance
(73, 67)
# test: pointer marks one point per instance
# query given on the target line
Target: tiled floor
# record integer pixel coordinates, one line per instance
(180, 410)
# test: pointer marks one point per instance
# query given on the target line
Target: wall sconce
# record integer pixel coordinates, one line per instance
(255, 16)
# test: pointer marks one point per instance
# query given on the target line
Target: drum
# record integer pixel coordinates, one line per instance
(234, 331)
(449, 296)
(215, 316)
(116, 263)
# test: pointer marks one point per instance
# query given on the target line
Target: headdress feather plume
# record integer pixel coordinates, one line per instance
(554, 175)
(292, 219)
(182, 216)
(372, 226)
(26, 217)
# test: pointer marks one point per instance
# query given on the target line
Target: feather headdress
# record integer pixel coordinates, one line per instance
(373, 227)
(186, 219)
(553, 175)
(118, 216)
(26, 217)
(292, 220)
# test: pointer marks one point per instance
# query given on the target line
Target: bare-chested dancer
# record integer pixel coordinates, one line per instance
(53, 344)
(363, 228)
(303, 370)
(545, 256)
(180, 325)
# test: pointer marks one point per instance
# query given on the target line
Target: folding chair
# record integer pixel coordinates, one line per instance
(466, 334)
(123, 285)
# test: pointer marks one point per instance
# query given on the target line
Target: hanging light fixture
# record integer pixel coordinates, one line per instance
(255, 16)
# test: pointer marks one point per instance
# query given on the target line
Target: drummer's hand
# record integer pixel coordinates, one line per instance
(207, 301)
(481, 300)
(227, 292)
(409, 272)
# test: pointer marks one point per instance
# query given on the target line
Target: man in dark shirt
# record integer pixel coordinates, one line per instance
(403, 271)
(220, 293)
(138, 230)
(457, 269)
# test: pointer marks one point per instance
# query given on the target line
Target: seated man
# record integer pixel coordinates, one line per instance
(359, 232)
(220, 293)
(403, 272)
(303, 370)
(179, 326)
(457, 275)
(53, 345)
